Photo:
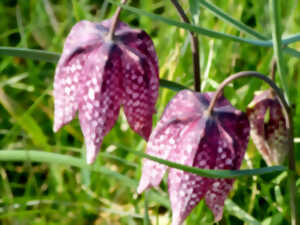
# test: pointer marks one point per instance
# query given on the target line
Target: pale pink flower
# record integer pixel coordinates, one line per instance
(95, 76)
(185, 134)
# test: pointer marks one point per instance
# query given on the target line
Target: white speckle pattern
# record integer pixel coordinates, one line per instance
(94, 78)
(141, 84)
(108, 82)
(65, 93)
(169, 127)
(184, 135)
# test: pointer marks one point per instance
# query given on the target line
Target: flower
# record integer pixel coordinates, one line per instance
(95, 76)
(186, 134)
(268, 127)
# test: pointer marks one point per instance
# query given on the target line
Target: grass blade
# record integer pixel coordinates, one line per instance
(171, 85)
(276, 35)
(55, 158)
(208, 173)
(25, 120)
(49, 157)
(227, 18)
(34, 54)
(190, 27)
(233, 209)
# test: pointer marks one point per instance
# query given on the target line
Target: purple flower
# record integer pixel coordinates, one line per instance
(96, 76)
(268, 127)
(187, 135)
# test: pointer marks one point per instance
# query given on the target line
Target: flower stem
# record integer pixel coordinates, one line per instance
(194, 45)
(289, 126)
(274, 6)
(114, 22)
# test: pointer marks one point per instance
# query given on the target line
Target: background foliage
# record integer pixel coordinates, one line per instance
(42, 193)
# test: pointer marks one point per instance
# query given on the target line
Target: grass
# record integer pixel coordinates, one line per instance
(46, 193)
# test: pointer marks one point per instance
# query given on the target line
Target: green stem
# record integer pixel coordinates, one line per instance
(277, 46)
(194, 45)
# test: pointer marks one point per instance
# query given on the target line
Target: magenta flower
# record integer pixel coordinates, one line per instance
(96, 76)
(187, 135)
(268, 127)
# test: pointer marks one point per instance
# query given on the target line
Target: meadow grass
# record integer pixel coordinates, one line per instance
(69, 192)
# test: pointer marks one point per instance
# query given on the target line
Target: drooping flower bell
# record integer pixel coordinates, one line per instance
(186, 134)
(268, 127)
(96, 76)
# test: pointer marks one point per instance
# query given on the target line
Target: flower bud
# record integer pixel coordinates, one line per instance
(268, 127)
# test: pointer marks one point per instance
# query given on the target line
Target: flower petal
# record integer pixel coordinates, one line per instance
(234, 135)
(162, 141)
(140, 40)
(82, 35)
(225, 159)
(187, 189)
(140, 85)
(100, 96)
(66, 85)
(238, 130)
(69, 71)
(164, 138)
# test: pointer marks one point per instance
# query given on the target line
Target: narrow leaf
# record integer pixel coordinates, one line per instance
(34, 54)
(208, 173)
(233, 209)
(55, 158)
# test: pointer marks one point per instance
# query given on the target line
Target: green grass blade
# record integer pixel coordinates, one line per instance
(26, 116)
(291, 39)
(24, 120)
(48, 157)
(208, 173)
(292, 52)
(199, 30)
(34, 54)
(227, 18)
(171, 85)
(146, 213)
(233, 209)
(55, 158)
(276, 36)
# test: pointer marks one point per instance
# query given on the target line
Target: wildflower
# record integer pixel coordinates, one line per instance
(186, 134)
(95, 76)
(268, 127)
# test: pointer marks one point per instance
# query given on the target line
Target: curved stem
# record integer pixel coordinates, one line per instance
(289, 126)
(251, 74)
(114, 23)
(194, 45)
